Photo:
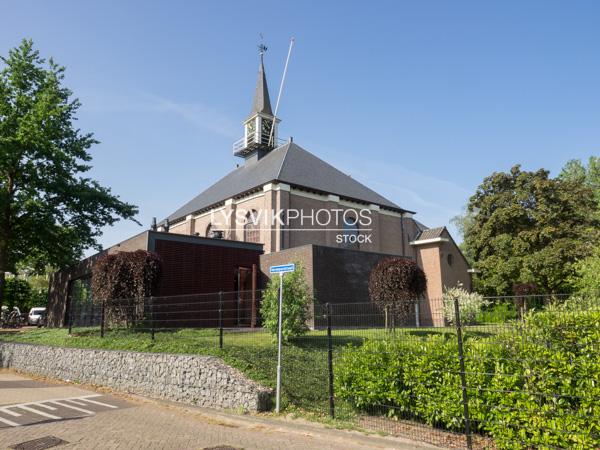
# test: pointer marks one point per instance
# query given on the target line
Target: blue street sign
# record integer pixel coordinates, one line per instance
(284, 268)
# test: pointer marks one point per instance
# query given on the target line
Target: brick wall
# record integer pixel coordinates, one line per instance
(334, 275)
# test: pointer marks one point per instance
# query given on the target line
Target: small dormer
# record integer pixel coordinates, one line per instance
(260, 128)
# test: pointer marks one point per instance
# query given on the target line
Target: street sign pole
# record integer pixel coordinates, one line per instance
(278, 391)
(285, 268)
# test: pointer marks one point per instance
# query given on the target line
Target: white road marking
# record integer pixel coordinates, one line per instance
(9, 412)
(76, 408)
(64, 402)
(10, 423)
(51, 408)
(97, 403)
(40, 413)
(76, 402)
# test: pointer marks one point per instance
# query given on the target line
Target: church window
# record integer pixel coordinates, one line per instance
(350, 232)
(251, 227)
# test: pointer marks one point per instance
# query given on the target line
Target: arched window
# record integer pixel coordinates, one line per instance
(208, 230)
(251, 227)
(350, 232)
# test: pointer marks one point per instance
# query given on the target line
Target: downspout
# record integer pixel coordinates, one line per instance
(402, 232)
(282, 233)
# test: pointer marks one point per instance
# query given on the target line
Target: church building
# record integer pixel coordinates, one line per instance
(304, 209)
(282, 204)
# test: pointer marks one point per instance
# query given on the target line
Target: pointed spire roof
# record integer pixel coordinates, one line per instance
(262, 102)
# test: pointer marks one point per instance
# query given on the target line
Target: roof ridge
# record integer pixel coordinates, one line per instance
(288, 145)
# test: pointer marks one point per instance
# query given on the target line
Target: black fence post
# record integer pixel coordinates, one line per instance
(152, 317)
(102, 318)
(463, 377)
(221, 319)
(330, 361)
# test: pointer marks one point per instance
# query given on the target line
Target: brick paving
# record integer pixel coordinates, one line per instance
(129, 422)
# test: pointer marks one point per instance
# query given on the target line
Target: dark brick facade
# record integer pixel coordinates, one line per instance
(194, 267)
(335, 275)
(201, 265)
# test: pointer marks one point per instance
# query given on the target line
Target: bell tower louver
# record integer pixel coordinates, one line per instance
(260, 128)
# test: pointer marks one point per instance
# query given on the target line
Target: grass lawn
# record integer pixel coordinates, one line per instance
(304, 369)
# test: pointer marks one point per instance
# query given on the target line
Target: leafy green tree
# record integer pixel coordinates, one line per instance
(587, 277)
(296, 300)
(528, 227)
(589, 175)
(19, 292)
(49, 210)
(463, 222)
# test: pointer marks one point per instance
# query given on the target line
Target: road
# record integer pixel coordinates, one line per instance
(70, 416)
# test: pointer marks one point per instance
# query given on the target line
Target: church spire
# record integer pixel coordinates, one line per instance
(262, 102)
(260, 128)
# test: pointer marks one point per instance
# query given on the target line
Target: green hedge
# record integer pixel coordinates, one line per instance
(535, 384)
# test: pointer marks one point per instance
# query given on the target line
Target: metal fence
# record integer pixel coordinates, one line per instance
(502, 372)
(237, 310)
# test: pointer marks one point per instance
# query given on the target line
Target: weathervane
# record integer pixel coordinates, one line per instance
(262, 48)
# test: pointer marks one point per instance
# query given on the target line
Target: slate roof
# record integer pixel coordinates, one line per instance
(431, 233)
(420, 226)
(288, 164)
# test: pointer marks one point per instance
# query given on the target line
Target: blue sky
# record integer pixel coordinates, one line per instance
(418, 100)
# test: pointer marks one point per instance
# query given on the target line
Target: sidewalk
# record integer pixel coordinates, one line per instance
(92, 419)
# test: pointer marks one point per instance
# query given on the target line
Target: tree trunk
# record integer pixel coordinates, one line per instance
(3, 268)
(2, 284)
(417, 318)
(385, 311)
(5, 230)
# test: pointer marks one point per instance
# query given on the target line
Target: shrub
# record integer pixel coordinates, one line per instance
(123, 280)
(525, 298)
(498, 313)
(535, 385)
(469, 303)
(587, 280)
(395, 285)
(296, 300)
(372, 376)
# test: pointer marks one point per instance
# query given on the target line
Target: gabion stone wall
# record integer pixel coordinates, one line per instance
(199, 380)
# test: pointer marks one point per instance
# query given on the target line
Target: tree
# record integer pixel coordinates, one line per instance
(587, 278)
(528, 227)
(122, 281)
(18, 293)
(575, 170)
(395, 285)
(49, 211)
(296, 300)
(463, 222)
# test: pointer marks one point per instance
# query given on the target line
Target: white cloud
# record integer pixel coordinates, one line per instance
(197, 114)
